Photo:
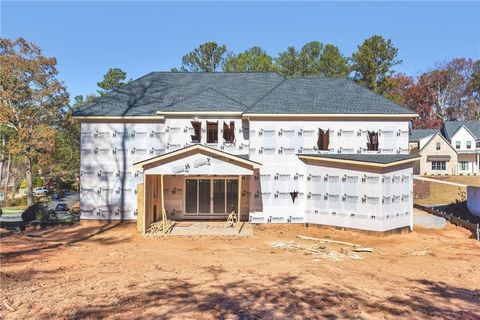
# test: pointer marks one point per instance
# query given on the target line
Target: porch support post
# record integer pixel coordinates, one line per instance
(239, 197)
(143, 200)
(161, 204)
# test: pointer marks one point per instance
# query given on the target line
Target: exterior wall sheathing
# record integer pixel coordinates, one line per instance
(346, 197)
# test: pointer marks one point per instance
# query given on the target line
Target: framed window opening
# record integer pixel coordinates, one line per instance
(197, 132)
(229, 132)
(323, 139)
(212, 132)
(372, 144)
(438, 146)
(469, 144)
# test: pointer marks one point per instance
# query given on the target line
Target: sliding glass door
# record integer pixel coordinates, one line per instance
(216, 196)
(232, 195)
(204, 196)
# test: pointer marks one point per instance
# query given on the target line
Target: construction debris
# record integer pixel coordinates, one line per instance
(422, 252)
(160, 227)
(323, 250)
(329, 241)
(369, 250)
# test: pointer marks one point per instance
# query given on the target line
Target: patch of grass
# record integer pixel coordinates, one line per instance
(431, 193)
(467, 180)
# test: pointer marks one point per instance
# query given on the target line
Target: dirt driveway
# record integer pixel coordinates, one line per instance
(108, 271)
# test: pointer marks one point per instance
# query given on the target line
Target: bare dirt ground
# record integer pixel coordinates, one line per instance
(94, 271)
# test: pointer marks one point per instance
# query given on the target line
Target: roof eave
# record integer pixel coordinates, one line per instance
(408, 116)
(151, 117)
(359, 162)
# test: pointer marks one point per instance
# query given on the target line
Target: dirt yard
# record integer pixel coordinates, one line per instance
(96, 271)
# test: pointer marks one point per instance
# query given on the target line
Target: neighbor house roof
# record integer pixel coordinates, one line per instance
(417, 134)
(376, 160)
(451, 127)
(248, 93)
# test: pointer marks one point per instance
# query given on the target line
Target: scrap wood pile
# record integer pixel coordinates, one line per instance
(327, 248)
(159, 228)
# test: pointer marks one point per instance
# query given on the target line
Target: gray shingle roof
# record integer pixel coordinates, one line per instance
(207, 100)
(325, 95)
(245, 92)
(371, 158)
(450, 127)
(417, 134)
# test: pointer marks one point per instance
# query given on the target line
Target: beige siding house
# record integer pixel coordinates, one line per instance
(438, 157)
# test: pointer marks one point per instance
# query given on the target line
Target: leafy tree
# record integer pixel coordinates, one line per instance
(313, 59)
(287, 62)
(254, 59)
(309, 59)
(208, 57)
(333, 63)
(373, 61)
(451, 83)
(112, 80)
(30, 98)
(397, 88)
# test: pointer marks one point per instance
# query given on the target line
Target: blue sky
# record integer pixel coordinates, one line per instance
(87, 38)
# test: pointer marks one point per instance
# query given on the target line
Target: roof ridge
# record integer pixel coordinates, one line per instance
(217, 72)
(266, 94)
(233, 99)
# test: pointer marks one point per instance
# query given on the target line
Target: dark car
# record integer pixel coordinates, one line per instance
(61, 206)
(57, 195)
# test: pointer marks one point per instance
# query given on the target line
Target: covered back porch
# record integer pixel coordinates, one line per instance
(194, 184)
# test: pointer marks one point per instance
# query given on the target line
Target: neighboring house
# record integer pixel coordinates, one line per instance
(419, 137)
(464, 136)
(273, 150)
(438, 157)
(452, 150)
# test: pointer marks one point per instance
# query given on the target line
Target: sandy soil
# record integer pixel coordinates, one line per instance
(96, 271)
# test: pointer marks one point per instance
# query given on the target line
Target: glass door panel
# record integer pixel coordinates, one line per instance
(219, 196)
(191, 196)
(204, 196)
(232, 195)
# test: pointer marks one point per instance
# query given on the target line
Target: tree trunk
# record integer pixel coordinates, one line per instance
(28, 176)
(9, 164)
(2, 160)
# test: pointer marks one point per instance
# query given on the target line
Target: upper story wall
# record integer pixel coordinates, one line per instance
(260, 139)
(292, 137)
(179, 131)
(462, 139)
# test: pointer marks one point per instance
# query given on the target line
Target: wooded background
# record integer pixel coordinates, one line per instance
(40, 140)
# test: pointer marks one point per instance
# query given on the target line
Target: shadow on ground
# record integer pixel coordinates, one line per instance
(286, 298)
(50, 239)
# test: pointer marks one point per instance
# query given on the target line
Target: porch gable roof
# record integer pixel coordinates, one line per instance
(191, 153)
